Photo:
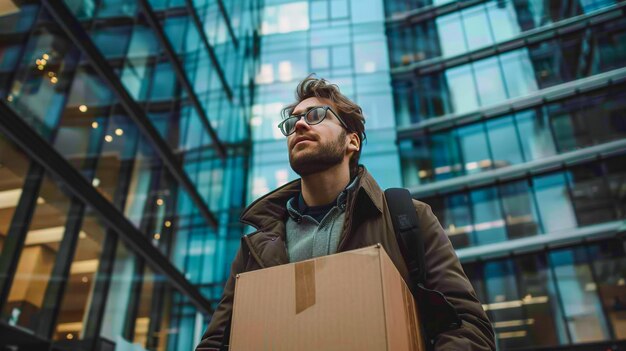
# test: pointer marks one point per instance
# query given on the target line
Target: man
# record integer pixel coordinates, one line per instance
(337, 206)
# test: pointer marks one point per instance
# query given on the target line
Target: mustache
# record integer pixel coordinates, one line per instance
(299, 138)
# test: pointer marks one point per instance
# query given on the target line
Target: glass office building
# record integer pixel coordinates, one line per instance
(123, 143)
(508, 117)
(511, 120)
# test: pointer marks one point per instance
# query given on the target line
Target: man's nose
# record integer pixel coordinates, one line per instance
(301, 124)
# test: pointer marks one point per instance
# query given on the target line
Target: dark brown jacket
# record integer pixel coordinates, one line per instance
(367, 222)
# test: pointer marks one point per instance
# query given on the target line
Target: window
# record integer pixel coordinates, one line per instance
(363, 11)
(503, 20)
(579, 296)
(46, 231)
(73, 311)
(518, 73)
(489, 81)
(341, 56)
(119, 296)
(40, 83)
(616, 170)
(13, 174)
(502, 304)
(537, 141)
(554, 202)
(591, 197)
(451, 37)
(143, 43)
(593, 5)
(489, 225)
(286, 18)
(339, 8)
(118, 143)
(164, 83)
(519, 209)
(370, 57)
(474, 149)
(445, 158)
(609, 266)
(504, 142)
(542, 323)
(462, 89)
(175, 31)
(319, 10)
(454, 214)
(476, 25)
(136, 77)
(112, 41)
(320, 58)
(142, 324)
(139, 183)
(115, 8)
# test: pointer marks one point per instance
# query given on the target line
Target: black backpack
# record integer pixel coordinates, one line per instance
(437, 315)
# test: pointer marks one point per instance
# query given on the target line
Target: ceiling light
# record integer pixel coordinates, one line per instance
(69, 327)
(85, 266)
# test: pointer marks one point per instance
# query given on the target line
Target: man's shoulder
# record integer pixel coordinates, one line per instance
(420, 205)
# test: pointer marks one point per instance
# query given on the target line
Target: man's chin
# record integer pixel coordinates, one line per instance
(305, 171)
(306, 166)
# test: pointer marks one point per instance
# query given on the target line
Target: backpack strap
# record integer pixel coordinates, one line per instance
(437, 314)
(406, 226)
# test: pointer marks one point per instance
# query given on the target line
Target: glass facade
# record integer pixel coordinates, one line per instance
(511, 127)
(123, 165)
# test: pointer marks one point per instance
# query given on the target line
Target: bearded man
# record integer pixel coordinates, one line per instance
(337, 206)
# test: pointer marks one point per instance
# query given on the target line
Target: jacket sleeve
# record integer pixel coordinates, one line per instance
(445, 274)
(212, 338)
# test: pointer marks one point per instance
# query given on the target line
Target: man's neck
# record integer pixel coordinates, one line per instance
(322, 188)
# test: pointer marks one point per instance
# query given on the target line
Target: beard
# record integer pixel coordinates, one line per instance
(321, 159)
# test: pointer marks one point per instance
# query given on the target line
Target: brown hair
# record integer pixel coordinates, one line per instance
(348, 111)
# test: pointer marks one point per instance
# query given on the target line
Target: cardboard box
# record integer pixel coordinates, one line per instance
(354, 300)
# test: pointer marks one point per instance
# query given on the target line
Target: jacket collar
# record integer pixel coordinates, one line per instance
(269, 212)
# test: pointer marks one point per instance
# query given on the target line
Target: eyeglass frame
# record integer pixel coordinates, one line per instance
(326, 109)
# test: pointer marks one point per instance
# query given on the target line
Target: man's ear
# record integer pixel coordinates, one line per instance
(354, 142)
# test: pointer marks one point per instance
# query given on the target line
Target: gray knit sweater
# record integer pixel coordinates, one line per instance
(308, 238)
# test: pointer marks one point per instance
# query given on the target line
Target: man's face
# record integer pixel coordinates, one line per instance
(316, 148)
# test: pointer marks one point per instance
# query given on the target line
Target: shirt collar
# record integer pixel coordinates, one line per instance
(296, 207)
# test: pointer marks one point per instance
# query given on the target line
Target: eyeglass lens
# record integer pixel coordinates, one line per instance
(313, 116)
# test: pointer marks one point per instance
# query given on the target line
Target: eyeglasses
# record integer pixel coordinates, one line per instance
(312, 117)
